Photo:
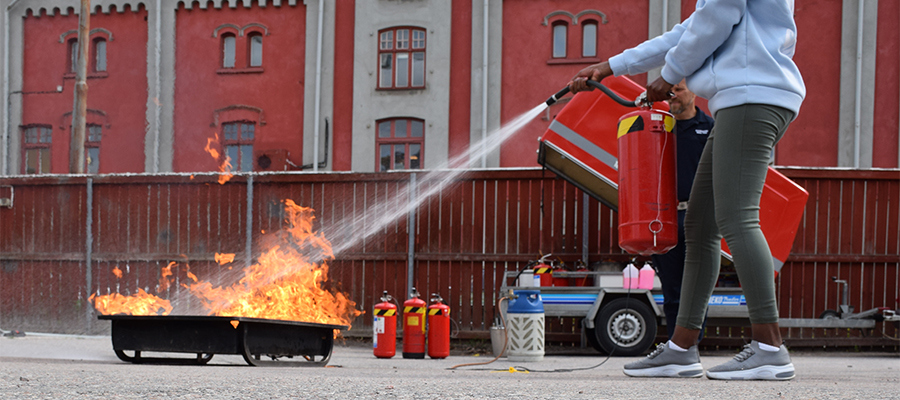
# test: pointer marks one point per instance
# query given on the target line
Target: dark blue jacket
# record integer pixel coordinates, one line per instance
(691, 135)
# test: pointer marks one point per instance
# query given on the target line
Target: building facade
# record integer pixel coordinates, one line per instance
(345, 85)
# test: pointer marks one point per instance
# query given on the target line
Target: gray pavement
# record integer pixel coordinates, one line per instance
(45, 367)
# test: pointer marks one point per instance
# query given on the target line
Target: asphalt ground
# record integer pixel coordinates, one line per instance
(45, 367)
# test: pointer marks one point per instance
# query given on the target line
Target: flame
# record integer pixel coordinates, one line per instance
(117, 272)
(223, 258)
(141, 303)
(288, 282)
(225, 168)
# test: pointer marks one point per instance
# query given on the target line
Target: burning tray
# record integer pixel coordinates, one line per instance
(252, 338)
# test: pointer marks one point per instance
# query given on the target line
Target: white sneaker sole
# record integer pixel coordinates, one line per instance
(668, 371)
(764, 372)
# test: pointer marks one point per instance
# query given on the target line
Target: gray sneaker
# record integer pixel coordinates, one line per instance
(665, 362)
(753, 363)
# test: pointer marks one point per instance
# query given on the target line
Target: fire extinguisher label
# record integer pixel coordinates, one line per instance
(412, 321)
(378, 325)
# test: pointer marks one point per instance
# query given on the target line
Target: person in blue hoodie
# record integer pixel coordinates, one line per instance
(738, 54)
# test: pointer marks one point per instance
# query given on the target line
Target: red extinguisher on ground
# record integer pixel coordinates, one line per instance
(384, 335)
(414, 326)
(438, 328)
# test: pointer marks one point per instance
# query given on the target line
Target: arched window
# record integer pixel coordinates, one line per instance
(36, 146)
(92, 149)
(399, 142)
(560, 31)
(589, 39)
(72, 46)
(228, 46)
(99, 49)
(401, 58)
(238, 143)
(256, 49)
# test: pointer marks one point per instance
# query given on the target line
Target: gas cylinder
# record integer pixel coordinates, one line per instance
(648, 219)
(414, 326)
(384, 335)
(438, 328)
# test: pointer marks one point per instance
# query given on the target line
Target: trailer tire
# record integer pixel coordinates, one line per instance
(625, 327)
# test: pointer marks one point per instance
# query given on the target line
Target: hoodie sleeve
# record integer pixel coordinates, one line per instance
(648, 55)
(708, 28)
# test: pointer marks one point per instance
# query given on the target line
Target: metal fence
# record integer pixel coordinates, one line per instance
(465, 237)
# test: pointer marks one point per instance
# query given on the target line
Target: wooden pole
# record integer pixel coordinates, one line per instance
(79, 109)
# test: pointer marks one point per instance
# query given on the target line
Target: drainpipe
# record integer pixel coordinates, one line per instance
(665, 16)
(157, 87)
(318, 88)
(857, 112)
(484, 87)
(4, 156)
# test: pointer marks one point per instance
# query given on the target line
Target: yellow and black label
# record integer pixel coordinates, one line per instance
(437, 311)
(630, 124)
(670, 123)
(385, 312)
(542, 270)
(415, 310)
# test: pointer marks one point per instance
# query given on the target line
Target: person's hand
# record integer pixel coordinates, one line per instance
(659, 90)
(594, 72)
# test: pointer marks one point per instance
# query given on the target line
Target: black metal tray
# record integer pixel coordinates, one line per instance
(205, 336)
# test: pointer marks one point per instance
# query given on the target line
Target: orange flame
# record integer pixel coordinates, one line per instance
(224, 258)
(117, 272)
(225, 167)
(141, 303)
(289, 281)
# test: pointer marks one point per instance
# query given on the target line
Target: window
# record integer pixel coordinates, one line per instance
(228, 45)
(256, 42)
(99, 49)
(401, 58)
(589, 39)
(399, 142)
(559, 40)
(73, 55)
(238, 142)
(92, 149)
(37, 149)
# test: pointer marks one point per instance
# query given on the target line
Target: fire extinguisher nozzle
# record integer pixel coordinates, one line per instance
(553, 99)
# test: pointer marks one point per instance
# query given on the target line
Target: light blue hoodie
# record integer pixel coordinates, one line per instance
(732, 52)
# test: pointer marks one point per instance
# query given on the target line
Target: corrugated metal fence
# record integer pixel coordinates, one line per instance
(52, 256)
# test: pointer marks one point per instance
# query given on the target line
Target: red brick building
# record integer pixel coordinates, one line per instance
(366, 86)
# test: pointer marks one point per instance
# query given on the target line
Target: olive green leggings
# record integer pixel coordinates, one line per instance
(724, 202)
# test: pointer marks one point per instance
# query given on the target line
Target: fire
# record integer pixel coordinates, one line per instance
(117, 272)
(225, 167)
(288, 282)
(141, 303)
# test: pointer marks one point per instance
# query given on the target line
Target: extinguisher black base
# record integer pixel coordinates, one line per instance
(413, 355)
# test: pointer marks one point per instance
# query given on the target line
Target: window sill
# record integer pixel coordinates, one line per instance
(560, 61)
(233, 71)
(392, 89)
(90, 75)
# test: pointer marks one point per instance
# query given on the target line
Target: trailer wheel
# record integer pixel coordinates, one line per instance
(625, 327)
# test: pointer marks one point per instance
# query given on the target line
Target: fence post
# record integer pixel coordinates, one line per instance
(89, 244)
(411, 233)
(248, 246)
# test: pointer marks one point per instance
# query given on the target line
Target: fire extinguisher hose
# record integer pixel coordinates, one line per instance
(505, 339)
(553, 99)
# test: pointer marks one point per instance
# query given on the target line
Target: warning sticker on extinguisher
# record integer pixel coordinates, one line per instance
(378, 325)
(412, 321)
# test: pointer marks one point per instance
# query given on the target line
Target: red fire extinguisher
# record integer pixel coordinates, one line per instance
(414, 326)
(438, 328)
(384, 338)
(648, 219)
(543, 272)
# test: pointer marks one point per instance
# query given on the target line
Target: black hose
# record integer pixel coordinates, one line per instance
(553, 99)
